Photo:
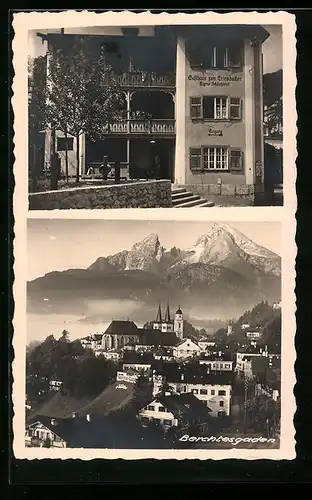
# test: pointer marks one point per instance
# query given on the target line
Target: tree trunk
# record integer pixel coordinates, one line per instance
(54, 165)
(66, 156)
(77, 159)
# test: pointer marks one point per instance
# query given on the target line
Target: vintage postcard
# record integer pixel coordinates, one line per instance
(141, 332)
(161, 115)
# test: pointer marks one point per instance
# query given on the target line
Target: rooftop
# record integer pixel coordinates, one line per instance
(153, 337)
(185, 405)
(193, 373)
(120, 327)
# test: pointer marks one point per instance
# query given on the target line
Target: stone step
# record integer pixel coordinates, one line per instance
(178, 190)
(193, 203)
(181, 196)
(208, 204)
(189, 199)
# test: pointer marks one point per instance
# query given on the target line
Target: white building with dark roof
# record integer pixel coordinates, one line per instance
(170, 410)
(214, 389)
(186, 348)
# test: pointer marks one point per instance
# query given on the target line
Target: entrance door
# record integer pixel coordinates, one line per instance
(161, 160)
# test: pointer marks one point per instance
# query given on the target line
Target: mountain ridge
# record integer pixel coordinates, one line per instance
(222, 267)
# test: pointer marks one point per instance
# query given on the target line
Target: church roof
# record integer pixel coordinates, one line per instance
(167, 316)
(119, 327)
(153, 337)
(178, 311)
(159, 316)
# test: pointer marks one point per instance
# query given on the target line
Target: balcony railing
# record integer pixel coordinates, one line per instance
(142, 79)
(141, 127)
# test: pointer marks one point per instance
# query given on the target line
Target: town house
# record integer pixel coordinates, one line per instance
(186, 348)
(200, 91)
(170, 410)
(217, 364)
(214, 389)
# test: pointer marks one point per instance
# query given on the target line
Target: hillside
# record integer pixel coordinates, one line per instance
(112, 398)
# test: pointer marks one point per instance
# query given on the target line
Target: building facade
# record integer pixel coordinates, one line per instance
(217, 397)
(218, 364)
(200, 90)
(186, 348)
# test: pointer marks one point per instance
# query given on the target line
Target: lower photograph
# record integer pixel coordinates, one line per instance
(153, 335)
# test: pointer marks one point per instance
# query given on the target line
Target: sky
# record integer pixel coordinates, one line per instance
(60, 244)
(272, 48)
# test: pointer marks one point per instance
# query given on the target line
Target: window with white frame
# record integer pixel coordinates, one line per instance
(216, 158)
(215, 108)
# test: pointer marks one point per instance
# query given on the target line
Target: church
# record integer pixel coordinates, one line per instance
(167, 324)
(165, 330)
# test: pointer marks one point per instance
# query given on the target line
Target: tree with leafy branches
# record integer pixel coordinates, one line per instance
(264, 415)
(83, 96)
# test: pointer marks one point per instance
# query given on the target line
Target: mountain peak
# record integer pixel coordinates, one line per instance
(145, 255)
(152, 238)
(223, 245)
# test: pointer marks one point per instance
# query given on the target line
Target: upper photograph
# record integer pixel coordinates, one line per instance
(174, 116)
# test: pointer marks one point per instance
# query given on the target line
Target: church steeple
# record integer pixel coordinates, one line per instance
(167, 317)
(159, 317)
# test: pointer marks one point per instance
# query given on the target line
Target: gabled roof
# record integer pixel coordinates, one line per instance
(136, 358)
(63, 427)
(184, 405)
(119, 327)
(100, 432)
(193, 373)
(156, 338)
(225, 358)
(185, 340)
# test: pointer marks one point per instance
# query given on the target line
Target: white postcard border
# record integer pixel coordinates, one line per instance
(286, 215)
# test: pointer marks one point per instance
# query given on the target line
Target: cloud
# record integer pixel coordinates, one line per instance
(52, 238)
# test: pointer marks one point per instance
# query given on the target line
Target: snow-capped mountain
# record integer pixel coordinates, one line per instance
(223, 269)
(224, 246)
(220, 246)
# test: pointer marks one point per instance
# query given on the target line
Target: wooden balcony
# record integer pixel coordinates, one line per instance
(141, 128)
(142, 80)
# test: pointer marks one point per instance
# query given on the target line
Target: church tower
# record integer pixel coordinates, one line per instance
(178, 323)
(167, 324)
(157, 324)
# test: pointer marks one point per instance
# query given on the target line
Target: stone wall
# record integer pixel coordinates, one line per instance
(143, 194)
(222, 189)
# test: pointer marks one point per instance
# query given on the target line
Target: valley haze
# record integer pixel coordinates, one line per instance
(218, 273)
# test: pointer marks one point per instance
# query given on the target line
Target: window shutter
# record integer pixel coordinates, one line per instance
(235, 108)
(196, 107)
(195, 159)
(236, 160)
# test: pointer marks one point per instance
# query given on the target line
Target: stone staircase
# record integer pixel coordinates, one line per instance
(181, 198)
